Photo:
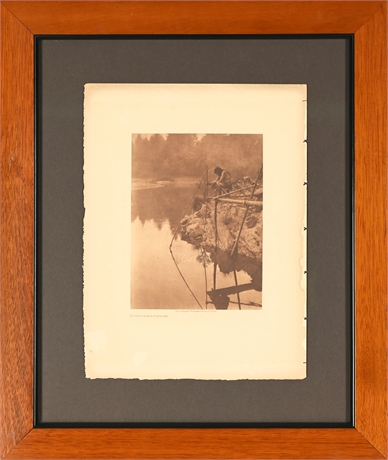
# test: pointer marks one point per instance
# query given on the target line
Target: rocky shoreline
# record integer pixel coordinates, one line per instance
(217, 234)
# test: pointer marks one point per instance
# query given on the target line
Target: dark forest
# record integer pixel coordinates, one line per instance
(173, 156)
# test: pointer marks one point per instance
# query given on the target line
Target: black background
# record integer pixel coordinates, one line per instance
(64, 396)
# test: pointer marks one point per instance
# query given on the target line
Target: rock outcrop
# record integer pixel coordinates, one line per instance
(217, 234)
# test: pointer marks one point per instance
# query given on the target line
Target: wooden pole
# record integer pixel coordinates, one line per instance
(233, 289)
(215, 245)
(258, 204)
(238, 294)
(234, 191)
(246, 212)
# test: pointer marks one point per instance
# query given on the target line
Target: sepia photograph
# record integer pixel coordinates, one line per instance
(196, 230)
(194, 240)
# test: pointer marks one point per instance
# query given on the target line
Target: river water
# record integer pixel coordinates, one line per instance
(156, 281)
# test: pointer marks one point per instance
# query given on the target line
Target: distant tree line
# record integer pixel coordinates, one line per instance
(175, 156)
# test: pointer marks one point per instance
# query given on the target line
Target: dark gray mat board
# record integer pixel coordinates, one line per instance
(63, 67)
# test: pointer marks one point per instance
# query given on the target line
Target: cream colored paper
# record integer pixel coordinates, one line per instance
(172, 344)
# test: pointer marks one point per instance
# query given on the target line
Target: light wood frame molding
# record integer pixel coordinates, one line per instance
(21, 21)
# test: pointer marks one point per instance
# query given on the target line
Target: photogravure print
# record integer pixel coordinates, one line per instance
(196, 225)
(194, 241)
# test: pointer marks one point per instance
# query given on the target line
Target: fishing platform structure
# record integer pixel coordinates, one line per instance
(219, 297)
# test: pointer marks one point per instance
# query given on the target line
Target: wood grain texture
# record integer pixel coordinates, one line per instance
(192, 17)
(16, 240)
(368, 19)
(371, 231)
(194, 444)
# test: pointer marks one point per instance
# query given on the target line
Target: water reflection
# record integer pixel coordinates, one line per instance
(161, 203)
(155, 280)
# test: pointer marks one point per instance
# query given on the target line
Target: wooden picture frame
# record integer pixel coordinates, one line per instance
(21, 21)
